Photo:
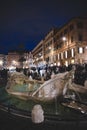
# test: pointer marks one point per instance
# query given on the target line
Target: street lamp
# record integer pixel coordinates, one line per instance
(64, 39)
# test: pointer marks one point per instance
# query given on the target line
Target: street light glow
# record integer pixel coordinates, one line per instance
(1, 62)
(64, 38)
(50, 48)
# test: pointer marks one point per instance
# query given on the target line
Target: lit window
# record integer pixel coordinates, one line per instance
(61, 55)
(65, 54)
(72, 52)
(80, 50)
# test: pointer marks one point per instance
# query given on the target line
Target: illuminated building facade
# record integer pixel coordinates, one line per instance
(65, 45)
(70, 42)
(15, 59)
(61, 46)
(12, 60)
(38, 54)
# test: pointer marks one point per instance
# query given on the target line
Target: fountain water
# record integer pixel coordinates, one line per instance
(51, 89)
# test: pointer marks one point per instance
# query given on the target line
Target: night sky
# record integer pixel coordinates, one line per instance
(26, 22)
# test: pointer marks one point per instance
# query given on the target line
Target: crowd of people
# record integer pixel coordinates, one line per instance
(80, 75)
(46, 72)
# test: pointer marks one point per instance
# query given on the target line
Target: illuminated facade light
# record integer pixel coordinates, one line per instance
(66, 63)
(72, 61)
(54, 63)
(65, 54)
(58, 63)
(14, 62)
(1, 62)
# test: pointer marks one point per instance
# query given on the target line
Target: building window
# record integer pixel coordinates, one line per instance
(55, 39)
(71, 27)
(61, 55)
(54, 57)
(81, 50)
(71, 38)
(58, 56)
(65, 54)
(60, 44)
(79, 25)
(80, 37)
(51, 59)
(69, 53)
(47, 59)
(61, 34)
(72, 52)
(65, 31)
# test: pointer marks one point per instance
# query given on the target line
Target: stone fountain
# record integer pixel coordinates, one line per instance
(21, 86)
(37, 90)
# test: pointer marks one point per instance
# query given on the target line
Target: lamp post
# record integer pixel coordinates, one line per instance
(51, 53)
(64, 39)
